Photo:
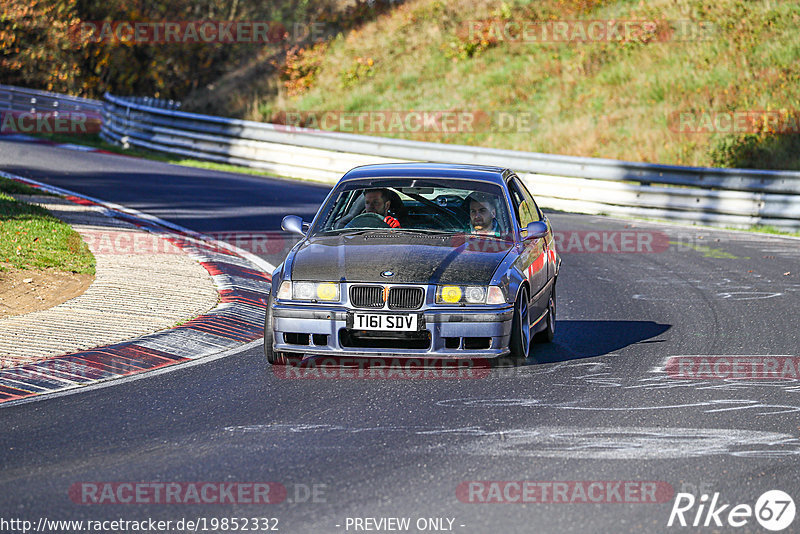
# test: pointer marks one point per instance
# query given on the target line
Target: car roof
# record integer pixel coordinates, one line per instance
(427, 170)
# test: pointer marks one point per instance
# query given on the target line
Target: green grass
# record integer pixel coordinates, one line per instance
(766, 229)
(709, 252)
(601, 99)
(16, 188)
(31, 238)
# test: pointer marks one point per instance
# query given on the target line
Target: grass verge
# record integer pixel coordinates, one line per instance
(621, 98)
(15, 188)
(31, 238)
(768, 230)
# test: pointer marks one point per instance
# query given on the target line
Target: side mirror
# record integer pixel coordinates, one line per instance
(536, 229)
(293, 224)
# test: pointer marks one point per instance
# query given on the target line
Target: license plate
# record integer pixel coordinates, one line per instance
(380, 321)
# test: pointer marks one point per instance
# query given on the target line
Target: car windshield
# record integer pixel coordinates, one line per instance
(416, 205)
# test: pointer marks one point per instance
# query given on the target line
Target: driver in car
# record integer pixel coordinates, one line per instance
(377, 201)
(483, 214)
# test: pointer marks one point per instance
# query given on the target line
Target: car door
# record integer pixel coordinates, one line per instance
(549, 241)
(533, 260)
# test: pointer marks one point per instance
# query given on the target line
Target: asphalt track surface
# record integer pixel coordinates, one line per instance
(595, 405)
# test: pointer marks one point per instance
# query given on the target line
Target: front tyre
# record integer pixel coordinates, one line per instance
(521, 328)
(274, 358)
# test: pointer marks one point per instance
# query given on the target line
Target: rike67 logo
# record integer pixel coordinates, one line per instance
(774, 510)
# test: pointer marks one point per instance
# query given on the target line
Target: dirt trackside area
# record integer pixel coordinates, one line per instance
(43, 261)
(25, 290)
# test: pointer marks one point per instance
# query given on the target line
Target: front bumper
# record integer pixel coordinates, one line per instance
(453, 332)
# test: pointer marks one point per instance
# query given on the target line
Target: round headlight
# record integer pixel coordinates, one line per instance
(303, 290)
(475, 295)
(451, 294)
(327, 291)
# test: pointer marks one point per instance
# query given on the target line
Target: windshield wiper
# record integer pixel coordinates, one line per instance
(388, 230)
(352, 231)
(422, 231)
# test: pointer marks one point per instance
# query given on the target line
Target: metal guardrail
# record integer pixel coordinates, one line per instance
(724, 197)
(33, 101)
(153, 102)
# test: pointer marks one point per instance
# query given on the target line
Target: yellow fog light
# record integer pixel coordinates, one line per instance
(328, 291)
(451, 294)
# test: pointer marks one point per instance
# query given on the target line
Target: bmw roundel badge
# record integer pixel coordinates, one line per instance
(387, 274)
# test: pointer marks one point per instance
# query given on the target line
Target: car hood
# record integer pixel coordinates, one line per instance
(413, 258)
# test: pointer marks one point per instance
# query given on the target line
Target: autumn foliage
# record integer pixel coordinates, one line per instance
(41, 47)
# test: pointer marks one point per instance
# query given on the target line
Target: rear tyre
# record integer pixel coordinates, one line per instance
(547, 335)
(274, 358)
(521, 328)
